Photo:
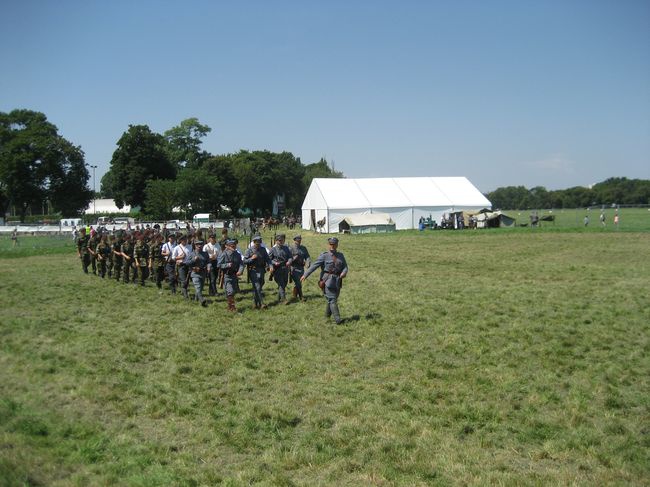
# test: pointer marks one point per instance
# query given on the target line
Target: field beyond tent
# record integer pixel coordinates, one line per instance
(466, 357)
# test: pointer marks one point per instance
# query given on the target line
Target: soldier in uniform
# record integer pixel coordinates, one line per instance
(118, 260)
(103, 254)
(258, 262)
(281, 260)
(299, 259)
(231, 264)
(170, 263)
(213, 250)
(182, 257)
(92, 249)
(141, 254)
(127, 254)
(333, 269)
(82, 249)
(199, 266)
(109, 257)
(157, 260)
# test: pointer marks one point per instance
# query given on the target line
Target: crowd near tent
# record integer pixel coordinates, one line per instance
(404, 200)
(367, 223)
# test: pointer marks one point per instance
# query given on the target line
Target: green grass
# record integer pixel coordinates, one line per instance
(487, 357)
(631, 219)
(30, 245)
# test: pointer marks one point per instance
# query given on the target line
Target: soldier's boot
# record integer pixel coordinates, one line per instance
(185, 294)
(294, 294)
(231, 304)
(328, 311)
(302, 298)
(335, 313)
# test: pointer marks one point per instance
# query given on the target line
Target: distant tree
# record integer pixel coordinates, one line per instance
(184, 143)
(160, 198)
(198, 191)
(36, 164)
(222, 168)
(106, 185)
(320, 169)
(140, 156)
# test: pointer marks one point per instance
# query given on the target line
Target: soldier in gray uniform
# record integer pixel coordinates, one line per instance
(258, 262)
(199, 266)
(333, 269)
(232, 265)
(299, 259)
(281, 260)
(182, 256)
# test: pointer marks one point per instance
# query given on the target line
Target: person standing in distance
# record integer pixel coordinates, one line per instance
(333, 269)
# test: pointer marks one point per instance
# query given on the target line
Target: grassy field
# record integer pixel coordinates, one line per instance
(470, 358)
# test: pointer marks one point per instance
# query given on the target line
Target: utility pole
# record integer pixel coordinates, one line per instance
(94, 195)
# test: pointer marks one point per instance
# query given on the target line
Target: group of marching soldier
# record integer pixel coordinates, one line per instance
(183, 259)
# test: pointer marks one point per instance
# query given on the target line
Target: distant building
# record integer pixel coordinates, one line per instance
(106, 205)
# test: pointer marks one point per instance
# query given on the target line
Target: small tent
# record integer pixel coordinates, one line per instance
(367, 223)
(405, 200)
(494, 219)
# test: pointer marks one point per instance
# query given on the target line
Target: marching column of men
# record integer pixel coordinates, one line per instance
(156, 254)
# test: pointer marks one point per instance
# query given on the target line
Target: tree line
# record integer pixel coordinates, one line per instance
(612, 191)
(155, 172)
(162, 172)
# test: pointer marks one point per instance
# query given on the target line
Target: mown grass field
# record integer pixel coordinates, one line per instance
(473, 358)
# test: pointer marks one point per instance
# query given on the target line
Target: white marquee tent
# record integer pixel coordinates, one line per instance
(404, 199)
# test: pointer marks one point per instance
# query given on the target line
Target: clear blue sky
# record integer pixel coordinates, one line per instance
(551, 93)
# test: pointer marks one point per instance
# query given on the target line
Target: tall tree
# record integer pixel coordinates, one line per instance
(184, 143)
(36, 163)
(140, 156)
(160, 198)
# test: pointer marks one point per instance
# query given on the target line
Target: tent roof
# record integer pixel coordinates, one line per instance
(106, 205)
(335, 193)
(360, 219)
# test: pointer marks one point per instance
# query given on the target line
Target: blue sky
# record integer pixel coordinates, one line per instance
(550, 93)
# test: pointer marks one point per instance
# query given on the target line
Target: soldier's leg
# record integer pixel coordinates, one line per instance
(85, 262)
(182, 278)
(171, 276)
(102, 268)
(127, 272)
(118, 272)
(160, 276)
(93, 262)
(143, 272)
(109, 268)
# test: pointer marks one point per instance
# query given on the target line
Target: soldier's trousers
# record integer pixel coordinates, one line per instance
(296, 274)
(109, 267)
(93, 261)
(213, 275)
(127, 272)
(257, 280)
(170, 267)
(332, 307)
(198, 279)
(159, 273)
(183, 279)
(102, 268)
(85, 262)
(117, 271)
(143, 273)
(281, 277)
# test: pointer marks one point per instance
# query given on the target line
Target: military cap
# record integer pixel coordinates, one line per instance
(182, 237)
(297, 237)
(280, 236)
(212, 235)
(198, 242)
(333, 240)
(231, 241)
(256, 238)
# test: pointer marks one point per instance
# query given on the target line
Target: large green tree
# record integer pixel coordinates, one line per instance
(36, 164)
(184, 143)
(140, 156)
